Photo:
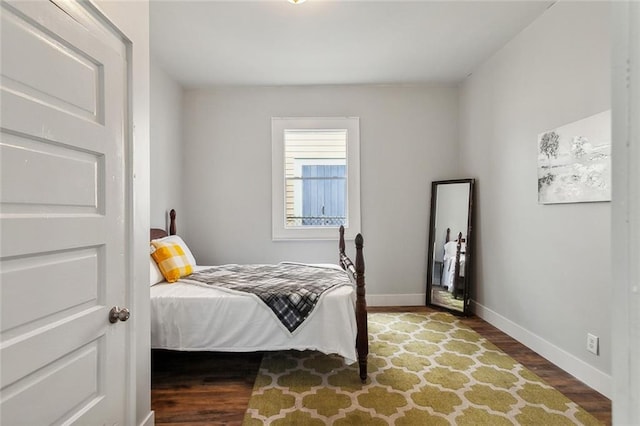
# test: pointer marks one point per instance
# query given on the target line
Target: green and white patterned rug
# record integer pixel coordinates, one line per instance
(424, 369)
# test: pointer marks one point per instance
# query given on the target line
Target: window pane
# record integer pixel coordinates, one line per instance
(315, 178)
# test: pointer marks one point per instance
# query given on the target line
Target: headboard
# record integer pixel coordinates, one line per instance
(156, 233)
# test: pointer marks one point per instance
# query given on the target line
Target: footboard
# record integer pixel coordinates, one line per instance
(356, 274)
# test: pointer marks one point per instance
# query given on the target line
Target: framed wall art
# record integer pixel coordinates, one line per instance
(574, 161)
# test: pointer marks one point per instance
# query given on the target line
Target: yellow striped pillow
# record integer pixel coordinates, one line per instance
(171, 260)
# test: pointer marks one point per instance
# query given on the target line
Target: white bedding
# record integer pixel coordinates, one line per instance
(189, 317)
(449, 266)
(449, 272)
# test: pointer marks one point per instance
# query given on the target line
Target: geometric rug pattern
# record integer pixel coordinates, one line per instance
(424, 369)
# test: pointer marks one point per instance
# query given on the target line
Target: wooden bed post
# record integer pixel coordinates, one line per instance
(362, 341)
(456, 269)
(172, 223)
(356, 274)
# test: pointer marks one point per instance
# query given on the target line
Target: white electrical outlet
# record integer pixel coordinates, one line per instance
(592, 343)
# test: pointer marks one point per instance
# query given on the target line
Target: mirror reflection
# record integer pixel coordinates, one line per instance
(449, 237)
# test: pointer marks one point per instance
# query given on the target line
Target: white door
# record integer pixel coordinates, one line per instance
(63, 216)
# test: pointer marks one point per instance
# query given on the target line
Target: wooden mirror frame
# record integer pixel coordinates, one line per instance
(468, 251)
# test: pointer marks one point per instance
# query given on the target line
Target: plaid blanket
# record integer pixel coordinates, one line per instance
(290, 290)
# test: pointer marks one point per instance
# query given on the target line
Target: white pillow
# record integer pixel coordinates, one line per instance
(155, 276)
(177, 240)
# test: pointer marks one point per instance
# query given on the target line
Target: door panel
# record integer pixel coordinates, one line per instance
(72, 281)
(74, 173)
(63, 246)
(74, 78)
(72, 381)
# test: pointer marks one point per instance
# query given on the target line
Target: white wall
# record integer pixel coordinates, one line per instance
(132, 18)
(408, 137)
(543, 271)
(166, 146)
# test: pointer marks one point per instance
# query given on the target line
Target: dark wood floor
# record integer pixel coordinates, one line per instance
(205, 388)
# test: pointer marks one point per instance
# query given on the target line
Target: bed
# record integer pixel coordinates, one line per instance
(188, 317)
(454, 264)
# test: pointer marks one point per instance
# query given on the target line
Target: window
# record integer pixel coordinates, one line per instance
(315, 177)
(316, 174)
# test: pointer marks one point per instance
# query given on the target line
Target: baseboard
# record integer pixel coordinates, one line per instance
(579, 369)
(396, 299)
(149, 420)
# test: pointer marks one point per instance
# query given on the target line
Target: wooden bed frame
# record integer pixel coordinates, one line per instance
(355, 273)
(458, 281)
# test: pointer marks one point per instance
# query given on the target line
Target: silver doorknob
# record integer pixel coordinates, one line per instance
(118, 314)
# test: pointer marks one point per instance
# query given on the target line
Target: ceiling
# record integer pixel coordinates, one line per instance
(273, 42)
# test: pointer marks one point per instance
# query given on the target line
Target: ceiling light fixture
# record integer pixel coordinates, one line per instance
(296, 1)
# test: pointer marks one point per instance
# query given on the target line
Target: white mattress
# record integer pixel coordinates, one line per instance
(190, 317)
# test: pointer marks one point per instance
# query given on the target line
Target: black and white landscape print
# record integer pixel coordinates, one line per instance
(574, 161)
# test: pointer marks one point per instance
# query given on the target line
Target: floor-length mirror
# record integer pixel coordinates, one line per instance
(450, 244)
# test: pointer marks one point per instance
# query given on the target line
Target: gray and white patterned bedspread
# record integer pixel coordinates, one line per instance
(290, 290)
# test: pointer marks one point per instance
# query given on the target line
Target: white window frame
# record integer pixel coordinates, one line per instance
(280, 230)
